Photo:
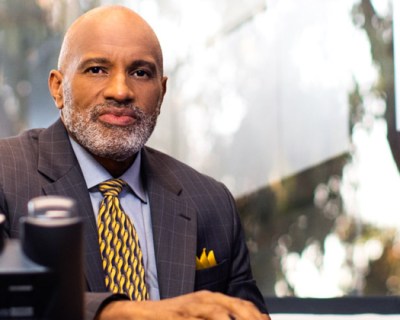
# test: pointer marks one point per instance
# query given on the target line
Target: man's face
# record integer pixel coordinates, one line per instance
(112, 88)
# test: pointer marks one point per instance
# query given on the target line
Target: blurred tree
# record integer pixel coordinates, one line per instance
(289, 216)
(30, 38)
(382, 276)
(379, 30)
(23, 29)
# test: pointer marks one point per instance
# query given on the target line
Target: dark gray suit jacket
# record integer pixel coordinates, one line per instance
(190, 211)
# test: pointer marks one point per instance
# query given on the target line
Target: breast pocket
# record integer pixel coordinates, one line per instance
(214, 278)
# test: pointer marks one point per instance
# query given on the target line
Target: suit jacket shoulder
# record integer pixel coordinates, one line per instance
(18, 165)
(41, 162)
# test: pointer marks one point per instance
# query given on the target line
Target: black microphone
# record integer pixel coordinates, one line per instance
(41, 276)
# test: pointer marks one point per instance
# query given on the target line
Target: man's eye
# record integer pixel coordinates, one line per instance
(95, 70)
(141, 73)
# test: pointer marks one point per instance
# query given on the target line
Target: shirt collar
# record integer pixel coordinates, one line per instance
(94, 173)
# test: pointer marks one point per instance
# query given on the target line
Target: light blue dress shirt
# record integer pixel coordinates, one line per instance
(134, 201)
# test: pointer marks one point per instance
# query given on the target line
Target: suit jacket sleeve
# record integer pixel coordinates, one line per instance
(241, 282)
(96, 301)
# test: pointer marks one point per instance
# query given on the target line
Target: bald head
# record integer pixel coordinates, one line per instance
(111, 21)
(109, 85)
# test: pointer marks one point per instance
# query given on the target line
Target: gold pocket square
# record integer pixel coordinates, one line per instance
(206, 260)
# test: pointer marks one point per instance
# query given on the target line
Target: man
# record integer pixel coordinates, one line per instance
(109, 87)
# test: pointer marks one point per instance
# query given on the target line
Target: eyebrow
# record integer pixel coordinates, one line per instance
(91, 61)
(144, 63)
(104, 61)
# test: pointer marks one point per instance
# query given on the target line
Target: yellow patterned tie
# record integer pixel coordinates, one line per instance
(119, 245)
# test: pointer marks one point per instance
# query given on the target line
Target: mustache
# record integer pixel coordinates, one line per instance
(118, 108)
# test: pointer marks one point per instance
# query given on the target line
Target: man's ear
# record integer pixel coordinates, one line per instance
(164, 85)
(164, 91)
(56, 88)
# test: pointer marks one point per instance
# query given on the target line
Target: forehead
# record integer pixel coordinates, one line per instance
(114, 35)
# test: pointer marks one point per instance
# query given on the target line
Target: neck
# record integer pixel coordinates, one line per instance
(115, 168)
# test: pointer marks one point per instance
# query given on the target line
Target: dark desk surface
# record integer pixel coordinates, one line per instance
(342, 305)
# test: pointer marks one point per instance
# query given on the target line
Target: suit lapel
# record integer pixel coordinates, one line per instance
(174, 220)
(174, 228)
(57, 161)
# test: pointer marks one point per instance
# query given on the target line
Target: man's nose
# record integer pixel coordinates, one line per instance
(119, 88)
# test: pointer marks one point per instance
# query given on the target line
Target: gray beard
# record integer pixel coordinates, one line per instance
(105, 140)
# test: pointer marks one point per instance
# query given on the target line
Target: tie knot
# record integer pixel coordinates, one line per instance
(112, 187)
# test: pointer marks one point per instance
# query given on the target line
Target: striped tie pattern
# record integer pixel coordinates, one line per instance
(119, 245)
